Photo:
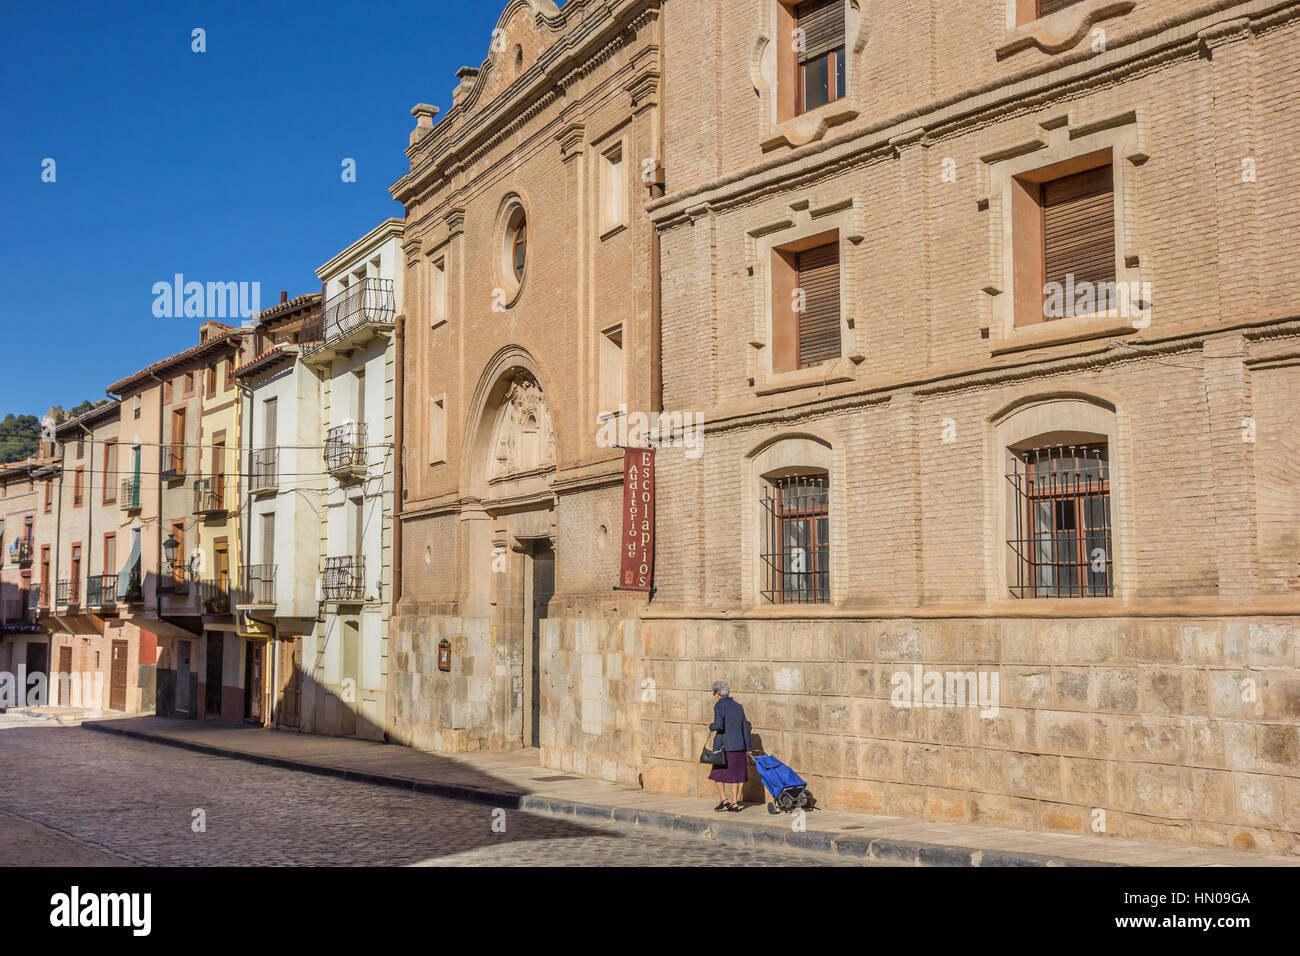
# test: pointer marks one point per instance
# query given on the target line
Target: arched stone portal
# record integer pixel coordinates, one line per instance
(508, 524)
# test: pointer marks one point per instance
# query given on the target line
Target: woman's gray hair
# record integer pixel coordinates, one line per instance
(722, 688)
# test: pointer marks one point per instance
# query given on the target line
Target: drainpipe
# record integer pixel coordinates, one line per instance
(246, 532)
(158, 518)
(399, 423)
(657, 191)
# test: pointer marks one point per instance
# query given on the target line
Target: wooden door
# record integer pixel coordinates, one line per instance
(212, 695)
(65, 668)
(289, 672)
(38, 662)
(117, 677)
(183, 677)
(253, 682)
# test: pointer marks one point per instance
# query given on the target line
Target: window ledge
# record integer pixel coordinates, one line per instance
(612, 231)
(438, 323)
(811, 126)
(1062, 331)
(828, 373)
(1061, 30)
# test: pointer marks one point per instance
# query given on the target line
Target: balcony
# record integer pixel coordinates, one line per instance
(173, 463)
(130, 499)
(259, 585)
(264, 471)
(210, 496)
(172, 583)
(345, 451)
(14, 610)
(134, 587)
(44, 596)
(33, 598)
(67, 592)
(348, 317)
(345, 579)
(215, 595)
(20, 552)
(101, 590)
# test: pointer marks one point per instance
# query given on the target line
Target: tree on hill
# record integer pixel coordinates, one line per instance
(20, 435)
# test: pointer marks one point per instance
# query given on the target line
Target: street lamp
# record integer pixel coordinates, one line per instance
(170, 548)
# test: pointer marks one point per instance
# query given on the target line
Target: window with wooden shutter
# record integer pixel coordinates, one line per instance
(821, 60)
(1078, 231)
(1048, 7)
(819, 321)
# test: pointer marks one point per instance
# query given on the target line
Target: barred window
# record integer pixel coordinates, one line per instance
(796, 540)
(1061, 546)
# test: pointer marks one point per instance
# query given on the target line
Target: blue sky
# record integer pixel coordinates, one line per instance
(223, 165)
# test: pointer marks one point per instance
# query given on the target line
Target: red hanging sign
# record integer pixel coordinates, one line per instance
(636, 568)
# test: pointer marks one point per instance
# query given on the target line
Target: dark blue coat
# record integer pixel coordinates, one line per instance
(729, 720)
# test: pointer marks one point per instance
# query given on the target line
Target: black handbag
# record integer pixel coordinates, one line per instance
(714, 758)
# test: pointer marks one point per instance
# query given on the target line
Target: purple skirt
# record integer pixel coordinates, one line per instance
(736, 770)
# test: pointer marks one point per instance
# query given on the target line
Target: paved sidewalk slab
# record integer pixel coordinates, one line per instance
(516, 781)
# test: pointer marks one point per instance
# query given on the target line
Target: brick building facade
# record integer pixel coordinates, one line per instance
(874, 273)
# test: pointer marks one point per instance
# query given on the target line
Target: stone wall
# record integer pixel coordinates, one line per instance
(1183, 730)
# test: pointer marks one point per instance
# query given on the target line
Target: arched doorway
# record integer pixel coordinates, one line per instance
(508, 521)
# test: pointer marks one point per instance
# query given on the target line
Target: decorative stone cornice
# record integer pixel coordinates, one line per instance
(1063, 29)
(571, 138)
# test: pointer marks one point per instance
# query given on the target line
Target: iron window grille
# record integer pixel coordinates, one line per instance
(259, 582)
(215, 595)
(345, 578)
(1062, 536)
(173, 462)
(67, 592)
(265, 464)
(796, 540)
(210, 495)
(130, 499)
(345, 447)
(101, 589)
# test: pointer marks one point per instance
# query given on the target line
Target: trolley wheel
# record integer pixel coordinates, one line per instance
(771, 808)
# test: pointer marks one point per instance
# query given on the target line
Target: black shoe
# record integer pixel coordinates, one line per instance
(724, 805)
(736, 807)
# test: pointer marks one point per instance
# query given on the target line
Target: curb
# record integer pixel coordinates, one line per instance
(728, 832)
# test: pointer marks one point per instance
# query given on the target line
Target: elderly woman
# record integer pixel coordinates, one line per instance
(730, 724)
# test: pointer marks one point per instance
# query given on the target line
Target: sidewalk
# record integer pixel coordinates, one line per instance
(515, 781)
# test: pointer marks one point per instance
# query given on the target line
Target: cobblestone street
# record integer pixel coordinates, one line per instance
(74, 797)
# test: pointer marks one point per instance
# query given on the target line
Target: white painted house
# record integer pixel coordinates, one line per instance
(345, 659)
(284, 485)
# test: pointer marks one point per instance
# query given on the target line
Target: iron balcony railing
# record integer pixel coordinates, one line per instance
(130, 499)
(345, 447)
(14, 609)
(215, 595)
(172, 582)
(33, 597)
(45, 594)
(173, 463)
(20, 552)
(101, 589)
(209, 495)
(368, 302)
(259, 584)
(68, 591)
(264, 470)
(345, 578)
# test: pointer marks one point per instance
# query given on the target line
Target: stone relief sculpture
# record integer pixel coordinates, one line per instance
(524, 439)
